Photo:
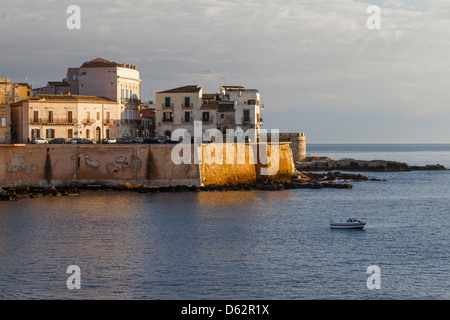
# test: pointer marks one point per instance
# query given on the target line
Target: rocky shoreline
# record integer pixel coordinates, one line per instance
(309, 174)
(299, 181)
(326, 164)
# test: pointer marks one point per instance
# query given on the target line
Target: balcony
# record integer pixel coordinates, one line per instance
(184, 120)
(131, 100)
(51, 122)
(108, 122)
(167, 106)
(88, 122)
(189, 106)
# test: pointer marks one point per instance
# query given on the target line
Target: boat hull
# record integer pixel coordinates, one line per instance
(347, 225)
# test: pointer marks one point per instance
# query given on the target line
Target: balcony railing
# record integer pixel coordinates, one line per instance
(130, 100)
(41, 121)
(108, 122)
(184, 120)
(167, 120)
(189, 106)
(167, 106)
(88, 121)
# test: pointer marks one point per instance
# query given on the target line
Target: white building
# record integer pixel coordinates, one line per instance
(234, 108)
(116, 82)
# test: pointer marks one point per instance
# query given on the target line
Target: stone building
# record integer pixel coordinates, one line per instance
(233, 108)
(10, 92)
(65, 116)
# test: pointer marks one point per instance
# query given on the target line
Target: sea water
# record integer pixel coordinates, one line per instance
(239, 245)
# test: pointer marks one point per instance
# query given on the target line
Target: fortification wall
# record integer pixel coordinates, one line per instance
(109, 165)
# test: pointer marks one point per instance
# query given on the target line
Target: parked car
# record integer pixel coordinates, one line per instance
(138, 140)
(163, 139)
(39, 141)
(111, 140)
(151, 140)
(80, 141)
(57, 141)
(85, 141)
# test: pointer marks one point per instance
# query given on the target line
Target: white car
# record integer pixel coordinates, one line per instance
(39, 141)
(112, 140)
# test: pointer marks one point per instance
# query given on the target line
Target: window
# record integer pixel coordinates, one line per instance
(3, 123)
(187, 116)
(205, 116)
(222, 116)
(98, 115)
(50, 116)
(88, 133)
(69, 116)
(167, 102)
(35, 116)
(123, 93)
(167, 116)
(246, 115)
(50, 133)
(35, 133)
(108, 116)
(187, 102)
(107, 133)
(74, 77)
(88, 117)
(70, 134)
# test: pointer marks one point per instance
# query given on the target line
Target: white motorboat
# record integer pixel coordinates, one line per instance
(350, 222)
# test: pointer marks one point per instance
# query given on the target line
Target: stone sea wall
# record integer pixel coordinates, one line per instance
(44, 166)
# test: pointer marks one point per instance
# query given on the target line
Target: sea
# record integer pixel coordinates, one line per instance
(250, 245)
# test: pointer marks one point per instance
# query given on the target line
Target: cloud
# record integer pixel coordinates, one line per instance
(309, 59)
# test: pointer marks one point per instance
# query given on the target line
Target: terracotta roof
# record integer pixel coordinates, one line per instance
(103, 63)
(185, 89)
(70, 98)
(99, 62)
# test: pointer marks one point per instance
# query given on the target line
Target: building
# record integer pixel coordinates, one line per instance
(70, 84)
(177, 108)
(10, 92)
(116, 82)
(113, 81)
(247, 107)
(235, 107)
(148, 117)
(65, 116)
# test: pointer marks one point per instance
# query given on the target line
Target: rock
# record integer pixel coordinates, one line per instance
(314, 164)
(429, 167)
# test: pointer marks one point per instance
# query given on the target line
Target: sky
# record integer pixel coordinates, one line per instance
(319, 68)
